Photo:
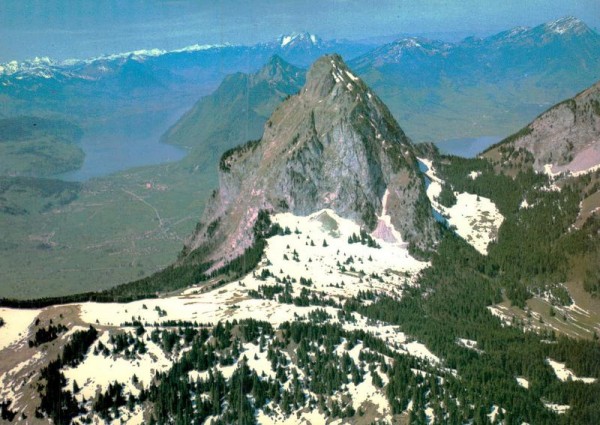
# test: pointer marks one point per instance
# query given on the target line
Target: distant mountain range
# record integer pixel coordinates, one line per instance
(134, 80)
(436, 90)
(476, 87)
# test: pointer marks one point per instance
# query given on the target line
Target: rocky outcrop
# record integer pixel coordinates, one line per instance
(566, 138)
(334, 145)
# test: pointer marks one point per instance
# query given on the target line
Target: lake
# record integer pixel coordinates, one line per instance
(466, 147)
(124, 143)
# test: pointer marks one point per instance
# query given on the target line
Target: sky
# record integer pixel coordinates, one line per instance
(63, 29)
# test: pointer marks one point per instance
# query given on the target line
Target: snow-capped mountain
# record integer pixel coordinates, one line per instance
(404, 51)
(296, 39)
(511, 44)
(303, 46)
(568, 24)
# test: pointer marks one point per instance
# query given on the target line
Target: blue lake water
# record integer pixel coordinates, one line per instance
(466, 147)
(123, 143)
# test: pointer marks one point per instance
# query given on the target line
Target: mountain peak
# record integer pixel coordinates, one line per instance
(409, 42)
(335, 146)
(327, 73)
(298, 38)
(277, 70)
(274, 66)
(568, 24)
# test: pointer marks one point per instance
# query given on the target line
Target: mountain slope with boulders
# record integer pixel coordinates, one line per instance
(334, 145)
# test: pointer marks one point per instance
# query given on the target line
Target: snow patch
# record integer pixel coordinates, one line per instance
(468, 343)
(564, 374)
(385, 230)
(16, 325)
(558, 408)
(494, 413)
(586, 161)
(475, 218)
(419, 350)
(303, 418)
(286, 40)
(258, 361)
(501, 314)
(321, 247)
(564, 25)
(96, 372)
(352, 76)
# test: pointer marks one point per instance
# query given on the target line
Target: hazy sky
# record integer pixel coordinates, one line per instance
(84, 28)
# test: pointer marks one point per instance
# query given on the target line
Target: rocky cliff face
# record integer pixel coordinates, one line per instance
(566, 138)
(334, 145)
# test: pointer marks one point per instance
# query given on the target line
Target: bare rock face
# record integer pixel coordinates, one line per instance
(333, 145)
(566, 138)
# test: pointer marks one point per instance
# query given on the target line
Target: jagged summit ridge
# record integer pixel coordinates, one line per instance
(327, 74)
(333, 145)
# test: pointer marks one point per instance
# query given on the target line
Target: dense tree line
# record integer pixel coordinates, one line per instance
(44, 335)
(6, 413)
(459, 288)
(534, 243)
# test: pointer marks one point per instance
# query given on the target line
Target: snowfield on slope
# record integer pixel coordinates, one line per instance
(586, 161)
(322, 253)
(16, 324)
(317, 250)
(476, 219)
